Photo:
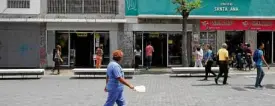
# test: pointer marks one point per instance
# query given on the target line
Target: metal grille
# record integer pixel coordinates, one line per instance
(92, 6)
(18, 3)
(56, 6)
(83, 6)
(109, 6)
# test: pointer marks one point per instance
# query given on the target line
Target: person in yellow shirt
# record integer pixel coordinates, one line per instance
(223, 63)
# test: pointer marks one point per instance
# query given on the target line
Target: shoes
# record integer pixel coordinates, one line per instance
(260, 86)
(216, 80)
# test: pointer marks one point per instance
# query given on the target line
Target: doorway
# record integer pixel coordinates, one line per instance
(159, 42)
(82, 43)
(233, 40)
(266, 38)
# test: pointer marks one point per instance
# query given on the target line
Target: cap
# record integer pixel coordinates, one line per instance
(117, 53)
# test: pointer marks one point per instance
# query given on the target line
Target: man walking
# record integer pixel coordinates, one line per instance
(149, 53)
(223, 63)
(258, 58)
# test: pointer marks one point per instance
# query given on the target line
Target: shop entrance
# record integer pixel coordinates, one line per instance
(266, 38)
(83, 44)
(159, 42)
(234, 39)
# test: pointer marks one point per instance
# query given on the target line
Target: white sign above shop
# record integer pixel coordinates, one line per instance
(226, 7)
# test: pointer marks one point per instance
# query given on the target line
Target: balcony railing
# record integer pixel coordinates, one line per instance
(82, 6)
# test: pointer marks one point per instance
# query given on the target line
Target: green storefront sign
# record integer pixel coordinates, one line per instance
(209, 7)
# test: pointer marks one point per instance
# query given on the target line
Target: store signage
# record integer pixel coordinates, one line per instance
(81, 34)
(237, 25)
(226, 7)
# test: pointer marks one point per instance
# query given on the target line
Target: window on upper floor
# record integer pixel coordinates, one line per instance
(82, 6)
(18, 3)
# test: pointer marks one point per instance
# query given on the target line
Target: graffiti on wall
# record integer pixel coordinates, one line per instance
(24, 49)
(43, 54)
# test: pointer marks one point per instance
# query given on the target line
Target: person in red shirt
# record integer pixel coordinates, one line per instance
(149, 53)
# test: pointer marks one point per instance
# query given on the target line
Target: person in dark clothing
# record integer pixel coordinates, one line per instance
(57, 59)
(223, 64)
(239, 54)
(208, 61)
(248, 56)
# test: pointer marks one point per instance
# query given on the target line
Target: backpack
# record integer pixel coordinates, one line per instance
(256, 55)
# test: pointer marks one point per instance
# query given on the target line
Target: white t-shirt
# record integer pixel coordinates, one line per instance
(137, 53)
(199, 55)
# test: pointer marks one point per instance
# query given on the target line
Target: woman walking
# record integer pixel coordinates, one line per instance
(137, 52)
(57, 59)
(115, 81)
(209, 61)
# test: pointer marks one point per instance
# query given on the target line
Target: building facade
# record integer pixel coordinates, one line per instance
(30, 29)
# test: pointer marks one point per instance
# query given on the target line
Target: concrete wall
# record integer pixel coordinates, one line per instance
(251, 37)
(19, 45)
(220, 38)
(34, 8)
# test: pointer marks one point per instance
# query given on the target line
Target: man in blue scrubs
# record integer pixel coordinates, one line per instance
(115, 81)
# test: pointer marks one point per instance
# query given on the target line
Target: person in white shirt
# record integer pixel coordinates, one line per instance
(198, 56)
(137, 52)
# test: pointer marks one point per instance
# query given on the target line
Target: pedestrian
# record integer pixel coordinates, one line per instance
(99, 54)
(137, 52)
(223, 63)
(208, 61)
(57, 59)
(258, 57)
(115, 80)
(149, 53)
(198, 57)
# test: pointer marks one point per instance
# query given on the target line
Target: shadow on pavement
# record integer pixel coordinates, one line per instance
(207, 85)
(76, 78)
(267, 86)
(20, 78)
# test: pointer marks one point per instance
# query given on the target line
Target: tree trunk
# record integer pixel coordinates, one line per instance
(184, 42)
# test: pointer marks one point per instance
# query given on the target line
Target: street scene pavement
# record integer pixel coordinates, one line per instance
(161, 90)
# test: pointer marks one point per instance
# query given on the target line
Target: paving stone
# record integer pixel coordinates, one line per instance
(162, 90)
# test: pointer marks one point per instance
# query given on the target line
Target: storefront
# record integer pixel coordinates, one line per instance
(80, 41)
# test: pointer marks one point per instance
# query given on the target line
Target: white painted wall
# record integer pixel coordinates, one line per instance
(160, 27)
(34, 8)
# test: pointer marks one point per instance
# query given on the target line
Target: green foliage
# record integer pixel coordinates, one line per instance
(187, 5)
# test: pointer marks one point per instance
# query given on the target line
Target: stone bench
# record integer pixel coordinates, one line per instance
(128, 72)
(191, 70)
(21, 72)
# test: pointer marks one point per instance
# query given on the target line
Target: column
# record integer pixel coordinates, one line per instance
(43, 54)
(50, 46)
(113, 42)
(220, 38)
(251, 38)
(125, 42)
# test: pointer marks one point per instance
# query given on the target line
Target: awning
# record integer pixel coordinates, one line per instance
(63, 20)
(209, 17)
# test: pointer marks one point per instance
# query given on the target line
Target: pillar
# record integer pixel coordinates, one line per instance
(125, 42)
(220, 38)
(251, 37)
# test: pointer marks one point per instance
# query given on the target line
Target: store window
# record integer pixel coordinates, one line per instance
(174, 49)
(62, 39)
(209, 38)
(101, 39)
(138, 42)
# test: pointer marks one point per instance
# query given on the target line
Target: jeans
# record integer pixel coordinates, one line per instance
(260, 76)
(149, 61)
(115, 97)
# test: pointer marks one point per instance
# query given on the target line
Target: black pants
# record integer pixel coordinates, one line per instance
(208, 69)
(223, 70)
(57, 63)
(137, 61)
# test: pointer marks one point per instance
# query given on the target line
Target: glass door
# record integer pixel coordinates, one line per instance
(62, 39)
(174, 49)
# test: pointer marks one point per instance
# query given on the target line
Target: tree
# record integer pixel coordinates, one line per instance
(184, 7)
